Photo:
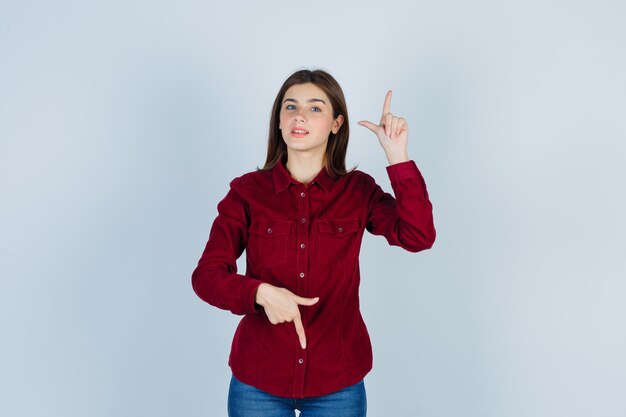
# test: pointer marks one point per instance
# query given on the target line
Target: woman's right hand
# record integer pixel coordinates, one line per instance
(281, 305)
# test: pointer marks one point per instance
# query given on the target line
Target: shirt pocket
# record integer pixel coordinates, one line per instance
(268, 241)
(337, 240)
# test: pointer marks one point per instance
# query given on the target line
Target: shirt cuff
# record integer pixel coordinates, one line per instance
(402, 170)
(250, 296)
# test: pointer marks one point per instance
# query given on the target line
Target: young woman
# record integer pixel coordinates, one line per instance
(302, 343)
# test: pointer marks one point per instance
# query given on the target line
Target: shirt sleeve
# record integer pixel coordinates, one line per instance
(407, 219)
(215, 279)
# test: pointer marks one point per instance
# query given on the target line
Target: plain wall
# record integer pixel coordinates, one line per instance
(122, 123)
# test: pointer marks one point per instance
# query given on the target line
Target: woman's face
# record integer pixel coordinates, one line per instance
(306, 107)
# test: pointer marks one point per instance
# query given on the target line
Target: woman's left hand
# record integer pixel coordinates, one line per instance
(392, 132)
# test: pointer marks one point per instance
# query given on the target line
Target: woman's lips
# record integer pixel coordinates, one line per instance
(299, 133)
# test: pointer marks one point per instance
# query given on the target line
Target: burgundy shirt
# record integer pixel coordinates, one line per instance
(306, 239)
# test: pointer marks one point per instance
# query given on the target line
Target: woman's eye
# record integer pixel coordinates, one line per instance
(314, 108)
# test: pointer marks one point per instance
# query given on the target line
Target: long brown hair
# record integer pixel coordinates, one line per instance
(335, 157)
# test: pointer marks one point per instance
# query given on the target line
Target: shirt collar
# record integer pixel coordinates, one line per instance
(282, 179)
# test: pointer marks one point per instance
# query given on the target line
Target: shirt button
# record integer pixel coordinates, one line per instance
(303, 220)
(301, 274)
(301, 245)
(302, 194)
(269, 230)
(340, 230)
(300, 360)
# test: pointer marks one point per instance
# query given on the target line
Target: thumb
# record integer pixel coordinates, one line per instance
(371, 126)
(307, 301)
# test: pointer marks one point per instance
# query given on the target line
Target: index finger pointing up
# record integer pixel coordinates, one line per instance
(387, 105)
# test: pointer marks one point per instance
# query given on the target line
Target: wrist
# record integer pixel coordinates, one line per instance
(396, 159)
(259, 296)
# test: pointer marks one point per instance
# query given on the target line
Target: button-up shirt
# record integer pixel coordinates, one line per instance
(306, 238)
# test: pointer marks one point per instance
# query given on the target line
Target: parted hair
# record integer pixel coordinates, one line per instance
(335, 157)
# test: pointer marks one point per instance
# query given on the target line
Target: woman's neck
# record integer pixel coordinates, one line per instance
(304, 168)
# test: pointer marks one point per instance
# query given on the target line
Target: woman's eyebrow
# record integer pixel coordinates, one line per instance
(311, 100)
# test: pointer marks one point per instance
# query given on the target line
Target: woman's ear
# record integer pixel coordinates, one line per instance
(337, 124)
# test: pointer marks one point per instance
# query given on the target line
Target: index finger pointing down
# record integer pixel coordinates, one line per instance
(300, 330)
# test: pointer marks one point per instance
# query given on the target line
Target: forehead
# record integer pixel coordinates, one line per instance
(305, 92)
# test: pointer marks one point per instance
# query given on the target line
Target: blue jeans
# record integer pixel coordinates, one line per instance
(247, 401)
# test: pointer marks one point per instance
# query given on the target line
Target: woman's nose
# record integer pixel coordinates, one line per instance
(299, 117)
